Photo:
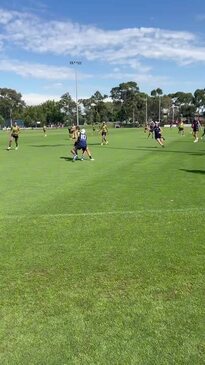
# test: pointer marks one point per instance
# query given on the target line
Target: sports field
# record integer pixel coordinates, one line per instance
(102, 262)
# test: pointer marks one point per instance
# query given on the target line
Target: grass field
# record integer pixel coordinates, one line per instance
(102, 262)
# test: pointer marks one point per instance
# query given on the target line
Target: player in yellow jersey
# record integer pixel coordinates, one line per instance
(15, 130)
(44, 130)
(104, 132)
(181, 127)
(72, 131)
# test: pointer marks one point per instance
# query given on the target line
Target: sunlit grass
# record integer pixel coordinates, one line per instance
(102, 262)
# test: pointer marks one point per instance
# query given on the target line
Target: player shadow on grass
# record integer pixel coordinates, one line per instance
(48, 145)
(194, 171)
(66, 158)
(94, 144)
(156, 149)
(167, 150)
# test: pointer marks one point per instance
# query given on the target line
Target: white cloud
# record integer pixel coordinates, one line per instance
(127, 51)
(40, 71)
(138, 77)
(36, 99)
(65, 38)
(55, 85)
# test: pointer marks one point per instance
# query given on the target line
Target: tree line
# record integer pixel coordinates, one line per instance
(125, 104)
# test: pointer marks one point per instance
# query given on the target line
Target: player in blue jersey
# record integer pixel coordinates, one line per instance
(195, 127)
(158, 134)
(81, 144)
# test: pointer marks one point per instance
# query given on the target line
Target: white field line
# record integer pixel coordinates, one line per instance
(104, 213)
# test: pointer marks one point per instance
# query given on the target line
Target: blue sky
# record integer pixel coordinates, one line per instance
(155, 43)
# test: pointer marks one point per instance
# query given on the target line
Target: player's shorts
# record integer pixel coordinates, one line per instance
(15, 136)
(80, 146)
(104, 134)
(158, 135)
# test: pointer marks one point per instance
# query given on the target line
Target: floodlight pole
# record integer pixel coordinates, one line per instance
(11, 120)
(76, 88)
(173, 114)
(146, 111)
(159, 109)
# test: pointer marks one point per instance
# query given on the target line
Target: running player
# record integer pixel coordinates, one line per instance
(181, 127)
(81, 144)
(202, 136)
(146, 127)
(195, 128)
(44, 131)
(158, 134)
(15, 130)
(151, 129)
(104, 132)
(72, 131)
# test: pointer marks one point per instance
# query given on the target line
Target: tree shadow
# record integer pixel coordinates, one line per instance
(120, 148)
(182, 141)
(202, 172)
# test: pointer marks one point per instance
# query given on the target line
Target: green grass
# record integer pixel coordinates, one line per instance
(102, 262)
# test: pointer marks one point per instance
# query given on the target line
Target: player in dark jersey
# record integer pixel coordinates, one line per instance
(195, 127)
(151, 129)
(158, 134)
(44, 131)
(81, 144)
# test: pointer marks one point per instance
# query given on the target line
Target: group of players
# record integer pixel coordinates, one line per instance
(80, 141)
(154, 130)
(14, 136)
(196, 127)
(80, 137)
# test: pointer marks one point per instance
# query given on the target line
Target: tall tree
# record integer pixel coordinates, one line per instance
(124, 100)
(68, 108)
(185, 104)
(95, 109)
(199, 99)
(124, 91)
(11, 103)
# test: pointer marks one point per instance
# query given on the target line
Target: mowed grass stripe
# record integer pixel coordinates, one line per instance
(90, 214)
